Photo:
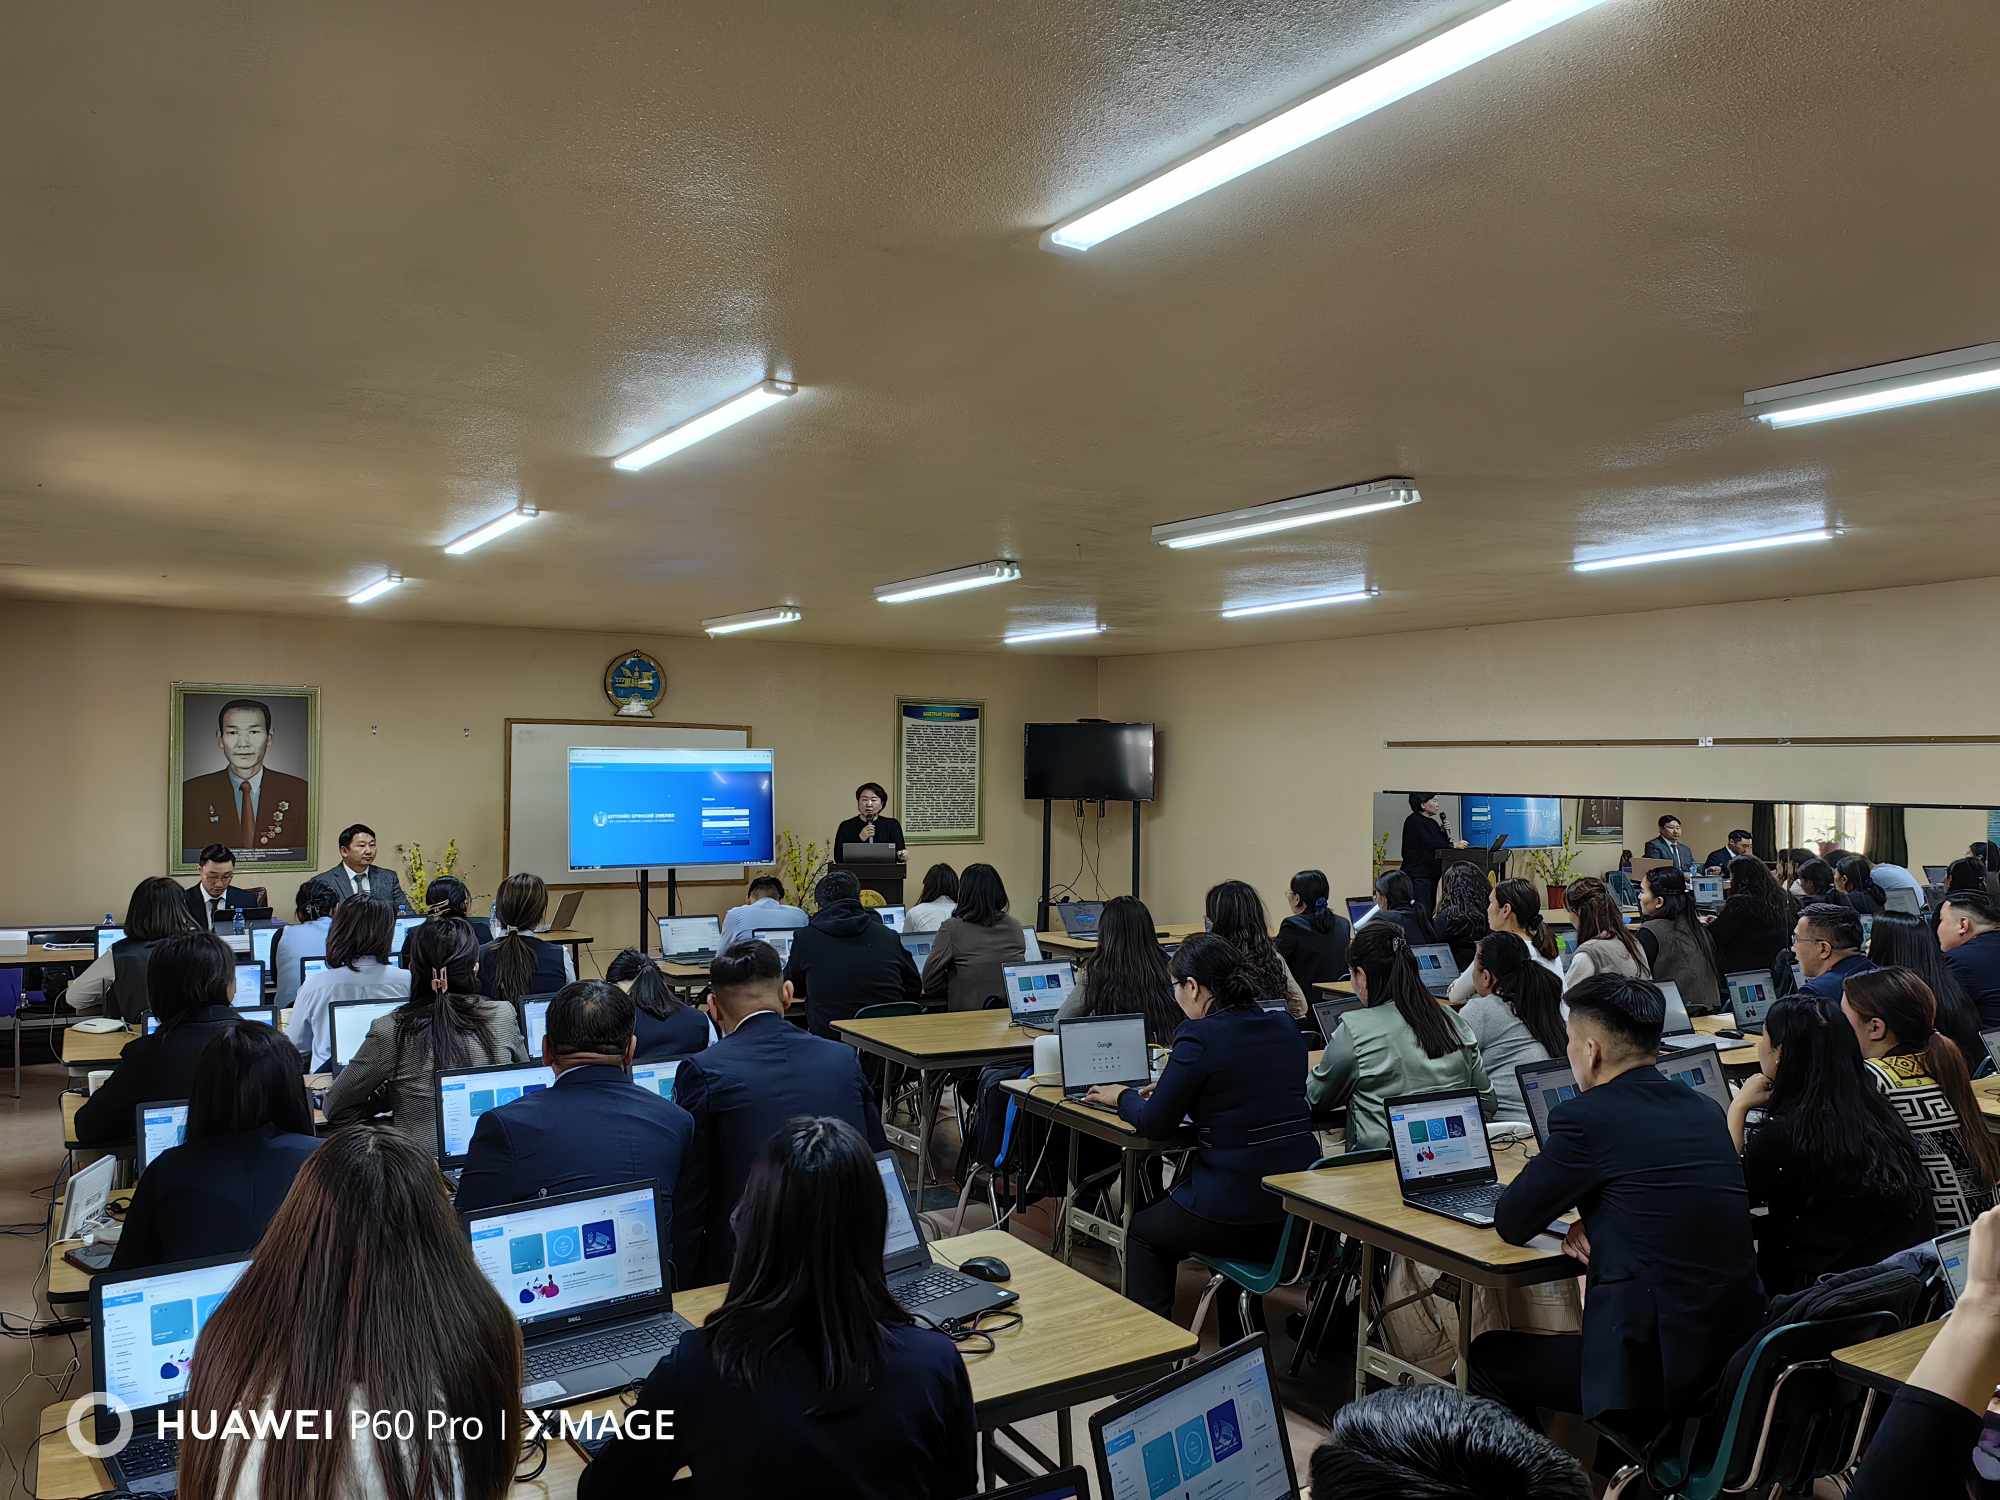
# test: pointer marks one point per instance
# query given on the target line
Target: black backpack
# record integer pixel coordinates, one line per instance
(1008, 1141)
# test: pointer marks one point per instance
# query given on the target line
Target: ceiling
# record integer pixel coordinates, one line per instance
(297, 293)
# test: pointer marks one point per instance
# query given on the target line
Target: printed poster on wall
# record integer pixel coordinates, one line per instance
(1601, 818)
(939, 747)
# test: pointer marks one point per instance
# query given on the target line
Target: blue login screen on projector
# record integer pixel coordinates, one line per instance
(1528, 822)
(634, 808)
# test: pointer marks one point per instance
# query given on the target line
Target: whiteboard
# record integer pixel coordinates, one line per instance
(537, 836)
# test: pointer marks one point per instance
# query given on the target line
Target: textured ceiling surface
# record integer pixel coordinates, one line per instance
(294, 294)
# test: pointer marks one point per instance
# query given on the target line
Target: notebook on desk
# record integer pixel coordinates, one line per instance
(1443, 1162)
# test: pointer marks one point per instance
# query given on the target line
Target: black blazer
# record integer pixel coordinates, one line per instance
(549, 976)
(845, 958)
(160, 1066)
(1423, 838)
(1673, 1287)
(592, 1130)
(682, 1033)
(741, 1092)
(1417, 927)
(1746, 937)
(1240, 1075)
(210, 1197)
(129, 957)
(197, 903)
(1977, 965)
(887, 831)
(1315, 947)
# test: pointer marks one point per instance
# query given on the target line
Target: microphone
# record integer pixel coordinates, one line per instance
(1444, 825)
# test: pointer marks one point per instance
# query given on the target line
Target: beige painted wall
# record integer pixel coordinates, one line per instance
(411, 739)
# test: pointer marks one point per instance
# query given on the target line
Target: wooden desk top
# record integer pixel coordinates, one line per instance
(1987, 1092)
(1886, 1363)
(39, 955)
(567, 936)
(683, 971)
(959, 1038)
(1366, 1201)
(95, 1049)
(1340, 989)
(1077, 1340)
(66, 1283)
(1046, 1100)
(1735, 1054)
(1174, 932)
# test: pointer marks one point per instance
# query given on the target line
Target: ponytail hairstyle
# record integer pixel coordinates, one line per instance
(649, 989)
(1313, 890)
(1597, 915)
(1859, 875)
(1518, 897)
(446, 896)
(1380, 951)
(443, 958)
(519, 906)
(1907, 1009)
(1218, 966)
(1531, 991)
(1396, 892)
(1677, 907)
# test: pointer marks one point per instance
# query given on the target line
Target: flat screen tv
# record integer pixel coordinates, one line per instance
(1088, 762)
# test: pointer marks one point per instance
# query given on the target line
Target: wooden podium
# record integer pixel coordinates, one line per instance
(1491, 863)
(884, 877)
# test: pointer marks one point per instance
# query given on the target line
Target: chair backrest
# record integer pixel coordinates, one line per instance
(888, 1008)
(128, 977)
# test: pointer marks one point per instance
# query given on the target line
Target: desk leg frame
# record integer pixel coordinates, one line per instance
(1372, 1360)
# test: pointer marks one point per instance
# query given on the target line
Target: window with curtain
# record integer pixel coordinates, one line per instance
(1816, 823)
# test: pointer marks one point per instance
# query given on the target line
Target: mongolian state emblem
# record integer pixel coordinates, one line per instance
(634, 684)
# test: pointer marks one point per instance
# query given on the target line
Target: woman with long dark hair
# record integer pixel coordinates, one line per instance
(1855, 879)
(363, 1297)
(313, 907)
(357, 968)
(1832, 1159)
(1238, 1071)
(1401, 1041)
(809, 1379)
(447, 896)
(936, 901)
(1235, 912)
(1818, 885)
(157, 908)
(1903, 942)
(446, 1023)
(1603, 945)
(1755, 922)
(1516, 909)
(1515, 1015)
(1396, 904)
(1926, 1077)
(1127, 975)
(1313, 939)
(1463, 897)
(974, 944)
(517, 963)
(1676, 942)
(1970, 874)
(663, 1025)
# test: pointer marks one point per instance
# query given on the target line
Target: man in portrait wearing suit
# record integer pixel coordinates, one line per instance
(246, 805)
(356, 874)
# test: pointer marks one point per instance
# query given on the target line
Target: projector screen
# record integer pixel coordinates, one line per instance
(637, 807)
(1528, 822)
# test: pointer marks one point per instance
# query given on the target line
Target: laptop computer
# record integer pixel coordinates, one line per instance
(1677, 1027)
(1031, 946)
(918, 945)
(586, 1275)
(1902, 900)
(144, 1326)
(262, 938)
(1700, 1068)
(106, 936)
(309, 967)
(349, 1021)
(534, 1021)
(1954, 1252)
(464, 1094)
(1443, 1163)
(1435, 966)
(1330, 1013)
(892, 917)
(1936, 874)
(1360, 909)
(158, 1126)
(1751, 994)
(1035, 992)
(1565, 945)
(1992, 1040)
(1080, 919)
(1103, 1049)
(1867, 929)
(1707, 891)
(1212, 1428)
(565, 913)
(87, 1198)
(779, 938)
(868, 853)
(1544, 1085)
(249, 985)
(657, 1077)
(690, 940)
(935, 1292)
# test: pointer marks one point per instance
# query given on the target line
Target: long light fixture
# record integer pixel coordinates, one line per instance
(955, 581)
(1352, 596)
(756, 619)
(1710, 549)
(376, 589)
(1289, 515)
(521, 515)
(1395, 78)
(708, 424)
(1905, 382)
(1053, 633)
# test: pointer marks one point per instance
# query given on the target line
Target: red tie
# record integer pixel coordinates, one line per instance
(249, 839)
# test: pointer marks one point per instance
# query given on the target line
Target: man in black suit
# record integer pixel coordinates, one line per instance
(211, 899)
(1969, 932)
(762, 1073)
(847, 957)
(1668, 845)
(357, 873)
(594, 1129)
(1664, 1232)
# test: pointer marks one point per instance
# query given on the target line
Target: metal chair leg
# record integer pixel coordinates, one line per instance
(1201, 1307)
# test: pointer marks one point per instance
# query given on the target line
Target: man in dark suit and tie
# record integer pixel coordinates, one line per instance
(762, 1073)
(1668, 845)
(246, 804)
(212, 898)
(594, 1129)
(356, 874)
(1664, 1233)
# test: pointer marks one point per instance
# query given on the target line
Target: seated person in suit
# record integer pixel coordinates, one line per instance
(357, 968)
(846, 957)
(742, 1090)
(765, 911)
(357, 873)
(446, 896)
(593, 1129)
(809, 1379)
(1313, 939)
(1664, 1232)
(1238, 1071)
(1827, 943)
(313, 907)
(191, 981)
(1739, 846)
(664, 1024)
(1435, 1442)
(974, 944)
(1668, 845)
(517, 963)
(154, 910)
(249, 1130)
(1969, 933)
(211, 899)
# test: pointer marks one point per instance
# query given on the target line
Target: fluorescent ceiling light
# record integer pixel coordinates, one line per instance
(756, 619)
(1288, 515)
(1053, 633)
(735, 409)
(1353, 596)
(376, 589)
(956, 581)
(1471, 41)
(521, 515)
(1711, 549)
(1905, 382)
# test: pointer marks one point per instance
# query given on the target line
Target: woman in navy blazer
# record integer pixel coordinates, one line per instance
(519, 964)
(1238, 1071)
(662, 1024)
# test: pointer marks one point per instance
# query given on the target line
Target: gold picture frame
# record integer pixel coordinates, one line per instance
(212, 725)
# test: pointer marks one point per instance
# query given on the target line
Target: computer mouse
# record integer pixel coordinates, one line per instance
(1731, 1032)
(986, 1268)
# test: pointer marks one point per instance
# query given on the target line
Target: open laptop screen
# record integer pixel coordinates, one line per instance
(1952, 1252)
(1358, 908)
(1700, 1068)
(249, 985)
(162, 1127)
(657, 1077)
(1330, 1013)
(1080, 918)
(1213, 1429)
(1676, 1020)
(689, 934)
(1104, 1049)
(1436, 1139)
(1544, 1085)
(1707, 890)
(1035, 992)
(261, 940)
(535, 1023)
(918, 945)
(892, 917)
(147, 1325)
(351, 1020)
(106, 936)
(1900, 898)
(902, 1236)
(582, 1254)
(780, 939)
(1435, 966)
(464, 1094)
(1751, 993)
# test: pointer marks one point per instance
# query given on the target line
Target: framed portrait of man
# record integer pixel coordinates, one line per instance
(243, 770)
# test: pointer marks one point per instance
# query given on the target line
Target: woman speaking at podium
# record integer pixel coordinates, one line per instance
(869, 825)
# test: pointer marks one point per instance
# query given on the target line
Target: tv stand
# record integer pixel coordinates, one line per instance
(1048, 830)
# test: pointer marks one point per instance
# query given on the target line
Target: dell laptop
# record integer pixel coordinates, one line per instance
(349, 1021)
(892, 917)
(780, 938)
(1443, 1163)
(1080, 919)
(1700, 1068)
(1213, 1428)
(1435, 966)
(1751, 994)
(565, 913)
(935, 1292)
(159, 1126)
(1035, 992)
(1330, 1013)
(143, 1328)
(464, 1094)
(587, 1277)
(690, 940)
(1106, 1050)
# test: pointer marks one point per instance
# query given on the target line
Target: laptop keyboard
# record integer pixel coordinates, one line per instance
(551, 1360)
(933, 1286)
(1479, 1199)
(145, 1456)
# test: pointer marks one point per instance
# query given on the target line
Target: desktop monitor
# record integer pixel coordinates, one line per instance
(464, 1094)
(1212, 1428)
(162, 1125)
(144, 1326)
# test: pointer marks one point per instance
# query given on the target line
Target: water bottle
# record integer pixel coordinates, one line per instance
(109, 920)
